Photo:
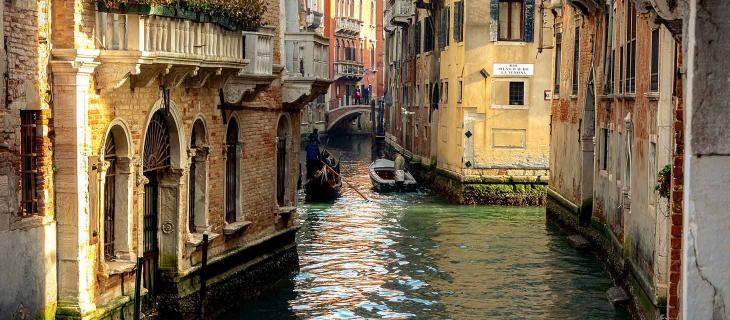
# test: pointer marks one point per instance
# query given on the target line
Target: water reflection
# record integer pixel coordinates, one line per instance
(413, 256)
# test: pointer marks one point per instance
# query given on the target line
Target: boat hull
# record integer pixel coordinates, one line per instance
(379, 172)
(321, 190)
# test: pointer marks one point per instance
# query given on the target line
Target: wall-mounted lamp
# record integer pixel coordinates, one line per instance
(484, 73)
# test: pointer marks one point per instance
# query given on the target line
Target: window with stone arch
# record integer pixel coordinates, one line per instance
(282, 166)
(116, 191)
(232, 185)
(198, 179)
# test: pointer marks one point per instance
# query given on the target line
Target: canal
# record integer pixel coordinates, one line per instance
(416, 256)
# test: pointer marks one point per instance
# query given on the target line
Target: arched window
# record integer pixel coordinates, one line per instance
(372, 13)
(282, 133)
(110, 157)
(337, 50)
(115, 175)
(232, 171)
(198, 180)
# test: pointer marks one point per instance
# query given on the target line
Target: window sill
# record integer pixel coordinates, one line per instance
(511, 107)
(606, 96)
(573, 97)
(652, 96)
(511, 42)
(628, 96)
(30, 222)
(196, 239)
(236, 227)
(286, 212)
(119, 267)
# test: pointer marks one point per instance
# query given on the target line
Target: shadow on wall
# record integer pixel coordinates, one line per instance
(28, 248)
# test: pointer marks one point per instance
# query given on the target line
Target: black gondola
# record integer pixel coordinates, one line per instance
(325, 184)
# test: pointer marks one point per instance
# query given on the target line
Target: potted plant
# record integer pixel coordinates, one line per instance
(664, 181)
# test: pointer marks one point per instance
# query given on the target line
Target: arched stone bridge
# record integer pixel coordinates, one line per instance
(345, 113)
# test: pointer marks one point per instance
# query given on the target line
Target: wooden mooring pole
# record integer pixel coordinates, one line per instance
(203, 278)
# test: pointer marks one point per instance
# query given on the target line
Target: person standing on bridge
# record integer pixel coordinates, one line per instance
(400, 173)
(357, 96)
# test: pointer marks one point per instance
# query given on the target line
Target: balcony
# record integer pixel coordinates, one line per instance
(258, 75)
(350, 70)
(307, 71)
(401, 12)
(139, 48)
(313, 19)
(347, 25)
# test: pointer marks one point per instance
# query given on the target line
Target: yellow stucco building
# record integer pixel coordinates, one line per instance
(488, 121)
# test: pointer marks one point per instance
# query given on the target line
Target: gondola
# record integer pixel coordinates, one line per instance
(382, 175)
(325, 185)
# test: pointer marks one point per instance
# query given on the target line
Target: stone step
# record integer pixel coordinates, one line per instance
(577, 241)
(617, 296)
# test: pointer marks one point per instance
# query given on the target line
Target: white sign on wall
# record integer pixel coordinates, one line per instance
(502, 69)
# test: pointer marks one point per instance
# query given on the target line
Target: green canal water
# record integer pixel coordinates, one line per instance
(415, 256)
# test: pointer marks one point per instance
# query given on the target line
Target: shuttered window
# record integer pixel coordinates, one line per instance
(444, 27)
(459, 21)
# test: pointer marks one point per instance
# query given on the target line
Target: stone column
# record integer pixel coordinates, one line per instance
(706, 234)
(71, 77)
(170, 233)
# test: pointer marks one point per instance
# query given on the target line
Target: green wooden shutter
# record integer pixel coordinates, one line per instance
(529, 20)
(494, 14)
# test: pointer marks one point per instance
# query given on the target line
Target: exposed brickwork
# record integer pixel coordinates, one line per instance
(676, 205)
(27, 34)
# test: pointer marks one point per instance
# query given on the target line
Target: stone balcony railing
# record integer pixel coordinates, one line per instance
(173, 38)
(258, 49)
(313, 19)
(349, 69)
(307, 55)
(139, 48)
(307, 71)
(347, 25)
(401, 12)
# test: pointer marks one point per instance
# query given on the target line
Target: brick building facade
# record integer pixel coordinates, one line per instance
(136, 134)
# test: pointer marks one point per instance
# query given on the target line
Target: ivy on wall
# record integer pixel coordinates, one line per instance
(231, 14)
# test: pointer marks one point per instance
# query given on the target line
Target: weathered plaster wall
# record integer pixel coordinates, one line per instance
(705, 263)
(28, 244)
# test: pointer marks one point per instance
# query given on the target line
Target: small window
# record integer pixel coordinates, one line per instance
(417, 38)
(459, 91)
(654, 77)
(558, 58)
(631, 49)
(516, 93)
(576, 60)
(30, 123)
(428, 37)
(511, 20)
(604, 149)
